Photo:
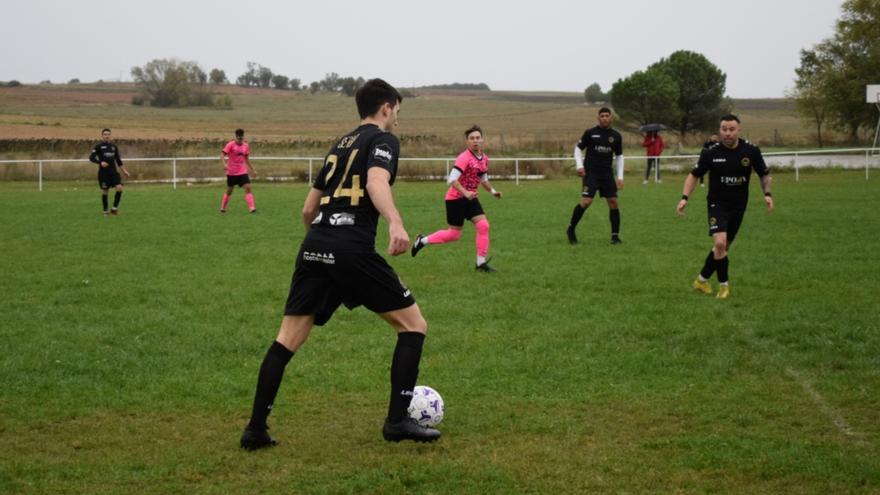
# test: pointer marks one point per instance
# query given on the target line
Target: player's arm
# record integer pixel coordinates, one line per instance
(453, 181)
(93, 157)
(311, 207)
(224, 155)
(484, 181)
(379, 189)
(247, 161)
(620, 171)
(120, 164)
(766, 180)
(579, 159)
(690, 182)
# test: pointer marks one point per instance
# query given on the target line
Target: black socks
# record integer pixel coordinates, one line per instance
(722, 265)
(576, 215)
(268, 381)
(104, 201)
(614, 216)
(404, 373)
(708, 266)
(116, 199)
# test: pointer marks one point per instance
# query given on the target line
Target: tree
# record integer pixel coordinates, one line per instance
(594, 94)
(331, 82)
(264, 76)
(218, 77)
(280, 82)
(249, 78)
(314, 87)
(73, 81)
(701, 88)
(646, 97)
(849, 60)
(808, 91)
(170, 82)
(349, 85)
(295, 84)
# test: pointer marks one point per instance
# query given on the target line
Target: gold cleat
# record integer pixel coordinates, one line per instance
(723, 292)
(703, 287)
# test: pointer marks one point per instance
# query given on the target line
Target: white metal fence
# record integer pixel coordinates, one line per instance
(866, 158)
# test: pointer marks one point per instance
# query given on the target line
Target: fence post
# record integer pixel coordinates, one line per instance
(866, 165)
(174, 173)
(447, 168)
(797, 176)
(310, 170)
(40, 175)
(516, 166)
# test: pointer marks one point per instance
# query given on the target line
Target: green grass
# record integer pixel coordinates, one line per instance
(130, 347)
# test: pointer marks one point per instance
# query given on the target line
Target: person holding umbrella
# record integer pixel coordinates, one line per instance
(654, 145)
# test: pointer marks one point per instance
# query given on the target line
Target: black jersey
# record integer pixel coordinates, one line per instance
(729, 171)
(347, 219)
(602, 145)
(106, 152)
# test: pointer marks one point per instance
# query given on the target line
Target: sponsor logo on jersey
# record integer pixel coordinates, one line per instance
(326, 258)
(732, 181)
(745, 162)
(383, 152)
(342, 219)
(719, 160)
(603, 149)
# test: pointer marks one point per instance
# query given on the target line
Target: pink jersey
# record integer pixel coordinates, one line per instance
(236, 164)
(472, 170)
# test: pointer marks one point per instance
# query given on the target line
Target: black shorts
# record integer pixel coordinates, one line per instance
(106, 180)
(605, 184)
(461, 209)
(723, 218)
(323, 279)
(237, 180)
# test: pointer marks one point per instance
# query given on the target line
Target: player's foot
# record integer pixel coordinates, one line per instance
(418, 245)
(408, 429)
(106, 213)
(644, 182)
(723, 292)
(222, 210)
(484, 267)
(252, 211)
(114, 211)
(572, 239)
(702, 185)
(659, 181)
(702, 286)
(616, 240)
(253, 439)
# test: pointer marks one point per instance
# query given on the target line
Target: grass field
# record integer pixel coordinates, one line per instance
(130, 348)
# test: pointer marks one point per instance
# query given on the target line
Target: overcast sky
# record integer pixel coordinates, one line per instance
(535, 45)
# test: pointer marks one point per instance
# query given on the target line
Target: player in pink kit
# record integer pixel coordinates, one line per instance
(471, 171)
(235, 157)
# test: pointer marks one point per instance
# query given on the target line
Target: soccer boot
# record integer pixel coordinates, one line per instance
(408, 429)
(253, 439)
(723, 292)
(572, 239)
(616, 240)
(114, 211)
(484, 267)
(106, 213)
(703, 287)
(252, 211)
(418, 245)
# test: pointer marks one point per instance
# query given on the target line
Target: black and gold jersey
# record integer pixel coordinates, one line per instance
(601, 144)
(106, 152)
(729, 171)
(347, 220)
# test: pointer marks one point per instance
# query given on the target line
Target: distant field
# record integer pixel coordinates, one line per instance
(130, 348)
(62, 120)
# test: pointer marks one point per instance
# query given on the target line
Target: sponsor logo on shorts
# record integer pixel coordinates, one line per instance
(318, 218)
(406, 392)
(713, 221)
(342, 219)
(326, 258)
(406, 293)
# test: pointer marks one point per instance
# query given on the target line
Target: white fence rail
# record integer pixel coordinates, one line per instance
(844, 158)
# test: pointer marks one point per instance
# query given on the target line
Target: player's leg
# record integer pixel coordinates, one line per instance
(230, 187)
(455, 215)
(587, 193)
(248, 195)
(614, 217)
(117, 197)
(411, 328)
(104, 192)
(734, 220)
(481, 223)
(648, 169)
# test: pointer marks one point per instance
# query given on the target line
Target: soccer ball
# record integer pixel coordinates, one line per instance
(427, 406)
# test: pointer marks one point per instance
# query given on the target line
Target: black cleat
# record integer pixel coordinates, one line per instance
(417, 245)
(253, 439)
(253, 211)
(572, 239)
(409, 429)
(616, 240)
(485, 267)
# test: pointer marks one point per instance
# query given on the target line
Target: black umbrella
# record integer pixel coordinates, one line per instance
(652, 128)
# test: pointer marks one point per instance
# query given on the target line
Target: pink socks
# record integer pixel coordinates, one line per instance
(444, 236)
(225, 202)
(249, 197)
(482, 237)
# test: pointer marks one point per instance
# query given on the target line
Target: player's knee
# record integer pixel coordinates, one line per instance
(454, 234)
(482, 227)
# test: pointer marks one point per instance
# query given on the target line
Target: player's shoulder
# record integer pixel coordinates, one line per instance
(614, 132)
(749, 146)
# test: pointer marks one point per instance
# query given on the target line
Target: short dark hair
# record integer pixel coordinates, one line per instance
(239, 132)
(106, 130)
(604, 110)
(373, 94)
(728, 117)
(473, 128)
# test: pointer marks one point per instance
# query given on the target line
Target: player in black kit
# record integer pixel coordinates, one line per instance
(337, 264)
(730, 164)
(602, 144)
(106, 155)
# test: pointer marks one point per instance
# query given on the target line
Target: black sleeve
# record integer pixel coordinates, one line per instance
(94, 156)
(703, 164)
(618, 145)
(118, 156)
(582, 144)
(758, 163)
(320, 181)
(383, 152)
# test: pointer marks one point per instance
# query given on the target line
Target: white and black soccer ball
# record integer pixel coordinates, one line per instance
(427, 406)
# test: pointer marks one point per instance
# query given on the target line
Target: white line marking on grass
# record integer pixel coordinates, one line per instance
(829, 411)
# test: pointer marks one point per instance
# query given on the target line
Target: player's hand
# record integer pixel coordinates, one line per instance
(619, 183)
(469, 195)
(497, 194)
(582, 172)
(680, 208)
(398, 240)
(104, 164)
(769, 201)
(126, 173)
